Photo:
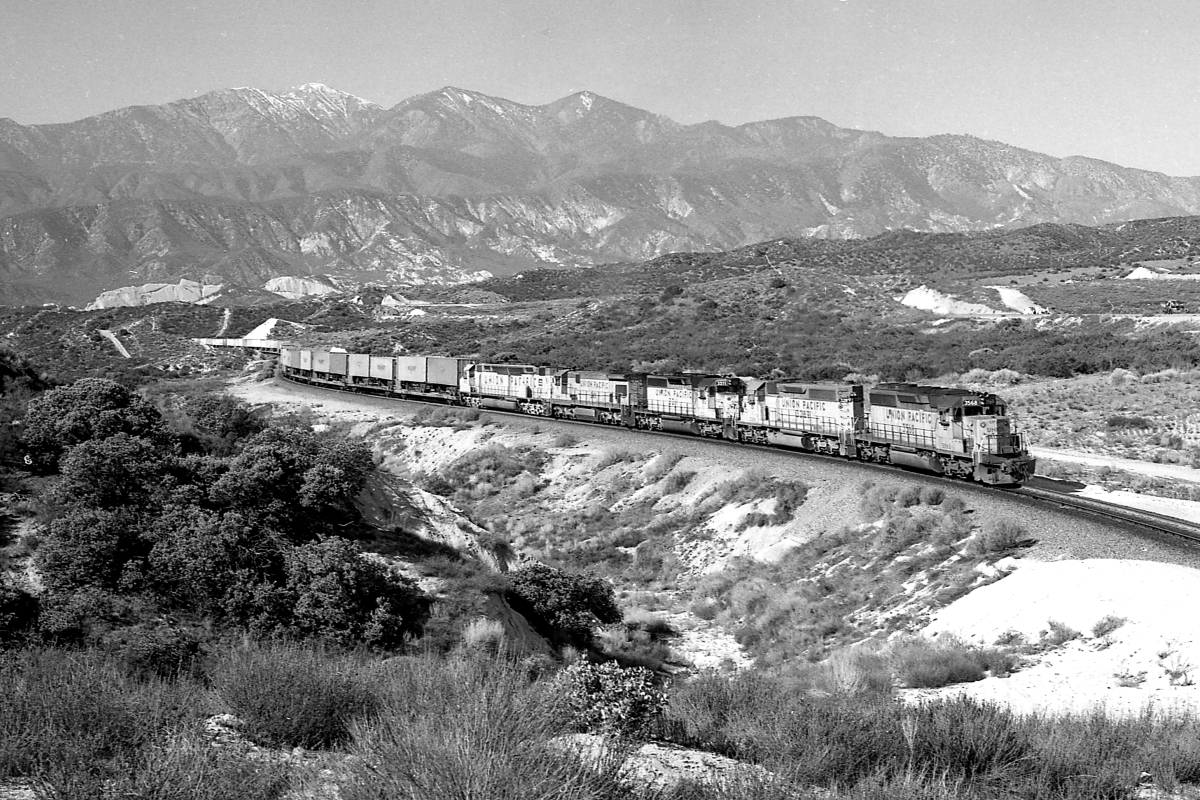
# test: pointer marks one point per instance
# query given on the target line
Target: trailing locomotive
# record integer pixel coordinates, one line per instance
(953, 432)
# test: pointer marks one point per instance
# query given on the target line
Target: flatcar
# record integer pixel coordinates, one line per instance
(958, 433)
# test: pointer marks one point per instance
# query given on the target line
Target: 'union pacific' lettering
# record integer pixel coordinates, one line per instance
(905, 415)
(799, 404)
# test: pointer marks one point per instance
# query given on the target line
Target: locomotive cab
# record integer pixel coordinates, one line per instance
(995, 446)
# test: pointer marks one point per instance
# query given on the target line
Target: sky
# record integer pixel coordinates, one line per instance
(1117, 80)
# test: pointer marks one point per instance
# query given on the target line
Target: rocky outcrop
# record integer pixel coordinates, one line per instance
(183, 292)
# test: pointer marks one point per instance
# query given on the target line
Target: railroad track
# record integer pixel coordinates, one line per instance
(1060, 493)
(1038, 490)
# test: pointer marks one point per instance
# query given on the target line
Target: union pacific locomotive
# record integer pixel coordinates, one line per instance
(953, 432)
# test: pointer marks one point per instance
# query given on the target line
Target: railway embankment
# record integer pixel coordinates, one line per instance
(723, 540)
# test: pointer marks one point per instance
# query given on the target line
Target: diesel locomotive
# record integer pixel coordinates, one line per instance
(957, 433)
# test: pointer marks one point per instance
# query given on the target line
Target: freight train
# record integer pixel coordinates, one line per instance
(957, 433)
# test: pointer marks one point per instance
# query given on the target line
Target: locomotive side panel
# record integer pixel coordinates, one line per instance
(670, 394)
(589, 388)
(815, 408)
(911, 426)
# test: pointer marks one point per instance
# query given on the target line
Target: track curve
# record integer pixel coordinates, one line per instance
(1040, 491)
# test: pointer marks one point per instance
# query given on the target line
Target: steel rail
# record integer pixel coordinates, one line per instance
(1159, 523)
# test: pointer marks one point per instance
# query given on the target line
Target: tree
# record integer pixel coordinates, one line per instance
(91, 408)
(120, 471)
(297, 483)
(567, 605)
(89, 547)
(347, 598)
(18, 613)
(216, 423)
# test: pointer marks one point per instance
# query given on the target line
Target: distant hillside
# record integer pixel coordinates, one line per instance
(243, 185)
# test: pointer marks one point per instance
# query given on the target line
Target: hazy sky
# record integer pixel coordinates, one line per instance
(1113, 79)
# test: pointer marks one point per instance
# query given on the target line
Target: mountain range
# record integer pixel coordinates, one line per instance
(242, 185)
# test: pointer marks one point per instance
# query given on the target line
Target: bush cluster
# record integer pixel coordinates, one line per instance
(607, 698)
(244, 531)
(78, 725)
(566, 607)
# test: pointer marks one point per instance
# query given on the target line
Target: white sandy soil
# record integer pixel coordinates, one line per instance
(1148, 660)
(1176, 471)
(1168, 506)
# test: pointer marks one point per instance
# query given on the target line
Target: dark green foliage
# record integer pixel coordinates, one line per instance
(473, 727)
(295, 482)
(607, 698)
(215, 423)
(339, 595)
(76, 719)
(18, 614)
(120, 471)
(90, 547)
(92, 408)
(154, 650)
(485, 472)
(293, 696)
(19, 383)
(969, 741)
(243, 540)
(565, 606)
(1118, 422)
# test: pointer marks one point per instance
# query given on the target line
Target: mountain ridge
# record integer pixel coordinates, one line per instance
(448, 184)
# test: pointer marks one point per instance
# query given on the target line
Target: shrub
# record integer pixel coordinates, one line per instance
(487, 471)
(74, 720)
(677, 481)
(470, 727)
(706, 608)
(966, 740)
(1058, 633)
(660, 466)
(1118, 422)
(289, 695)
(922, 664)
(18, 614)
(607, 698)
(483, 635)
(1107, 625)
(614, 456)
(854, 671)
(148, 651)
(188, 767)
(447, 417)
(567, 605)
(652, 624)
(997, 536)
